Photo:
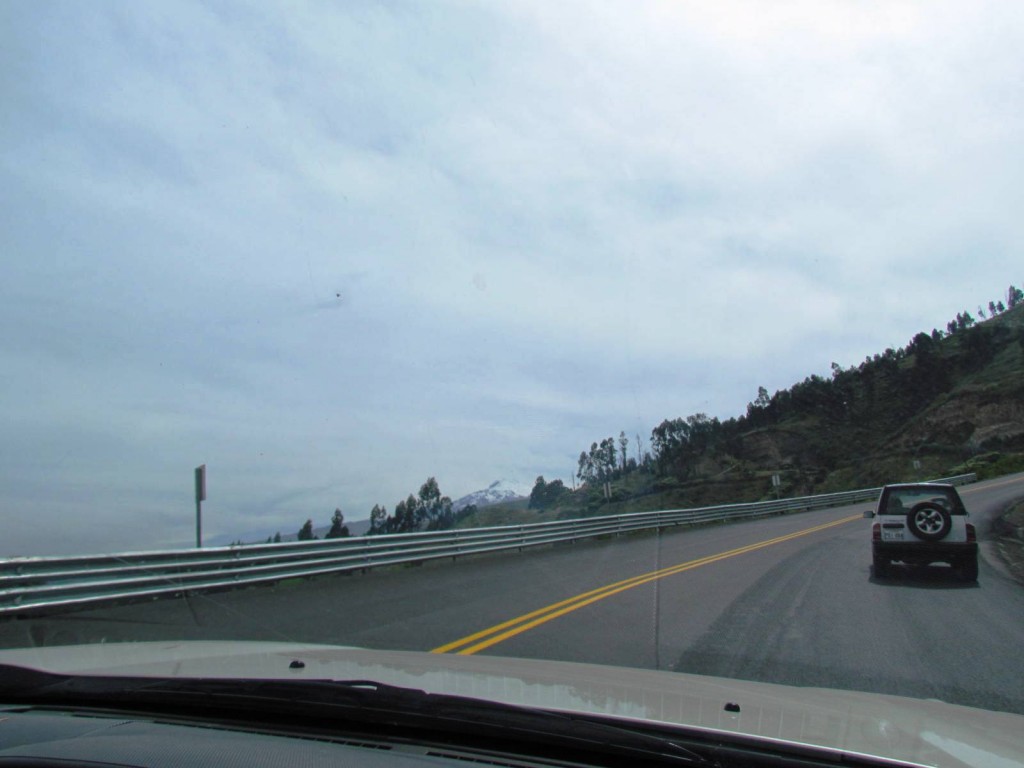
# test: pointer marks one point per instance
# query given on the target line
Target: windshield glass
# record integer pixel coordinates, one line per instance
(518, 330)
(900, 500)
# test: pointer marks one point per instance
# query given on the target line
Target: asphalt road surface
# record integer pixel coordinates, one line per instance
(787, 599)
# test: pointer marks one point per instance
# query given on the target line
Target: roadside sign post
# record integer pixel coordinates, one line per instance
(200, 497)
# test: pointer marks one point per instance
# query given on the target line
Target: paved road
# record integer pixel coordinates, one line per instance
(785, 599)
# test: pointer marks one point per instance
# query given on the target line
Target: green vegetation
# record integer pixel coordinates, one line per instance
(338, 528)
(994, 464)
(427, 511)
(545, 495)
(306, 531)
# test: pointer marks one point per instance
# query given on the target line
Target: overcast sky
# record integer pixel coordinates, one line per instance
(330, 250)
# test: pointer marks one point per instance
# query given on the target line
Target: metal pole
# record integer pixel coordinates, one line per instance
(200, 495)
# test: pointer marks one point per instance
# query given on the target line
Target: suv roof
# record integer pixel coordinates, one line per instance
(919, 485)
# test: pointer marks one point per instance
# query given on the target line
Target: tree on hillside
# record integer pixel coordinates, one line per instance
(545, 494)
(980, 346)
(758, 411)
(429, 496)
(605, 459)
(378, 520)
(964, 320)
(306, 531)
(404, 520)
(922, 343)
(584, 468)
(433, 511)
(277, 537)
(429, 511)
(600, 464)
(623, 447)
(537, 494)
(763, 399)
(928, 377)
(338, 528)
(679, 443)
(1014, 297)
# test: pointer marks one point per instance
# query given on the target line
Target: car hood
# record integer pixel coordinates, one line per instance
(929, 733)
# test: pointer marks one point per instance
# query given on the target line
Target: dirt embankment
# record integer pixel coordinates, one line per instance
(972, 419)
(1010, 529)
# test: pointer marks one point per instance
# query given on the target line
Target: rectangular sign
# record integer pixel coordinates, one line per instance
(201, 483)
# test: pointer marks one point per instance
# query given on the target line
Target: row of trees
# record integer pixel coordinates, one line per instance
(610, 460)
(338, 530)
(426, 511)
(1014, 296)
(546, 494)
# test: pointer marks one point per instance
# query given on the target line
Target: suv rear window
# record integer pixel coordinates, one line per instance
(899, 501)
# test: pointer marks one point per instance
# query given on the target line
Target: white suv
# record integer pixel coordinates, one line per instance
(920, 524)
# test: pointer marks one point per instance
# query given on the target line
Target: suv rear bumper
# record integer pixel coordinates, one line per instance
(923, 552)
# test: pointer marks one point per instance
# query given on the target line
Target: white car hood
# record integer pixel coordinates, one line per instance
(920, 732)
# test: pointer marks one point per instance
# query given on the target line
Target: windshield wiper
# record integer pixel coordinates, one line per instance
(364, 703)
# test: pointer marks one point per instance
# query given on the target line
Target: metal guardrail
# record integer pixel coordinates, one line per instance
(39, 584)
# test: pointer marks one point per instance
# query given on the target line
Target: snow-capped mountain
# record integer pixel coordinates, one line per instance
(496, 492)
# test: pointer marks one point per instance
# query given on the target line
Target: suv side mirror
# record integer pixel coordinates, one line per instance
(869, 513)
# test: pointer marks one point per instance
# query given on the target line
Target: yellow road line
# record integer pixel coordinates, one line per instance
(479, 641)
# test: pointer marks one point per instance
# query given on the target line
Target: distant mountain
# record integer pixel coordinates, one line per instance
(495, 493)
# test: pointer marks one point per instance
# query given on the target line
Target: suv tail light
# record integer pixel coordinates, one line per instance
(876, 532)
(971, 533)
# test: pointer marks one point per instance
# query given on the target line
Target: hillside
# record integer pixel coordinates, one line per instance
(948, 402)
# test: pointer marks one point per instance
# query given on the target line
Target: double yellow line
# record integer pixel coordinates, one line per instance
(484, 639)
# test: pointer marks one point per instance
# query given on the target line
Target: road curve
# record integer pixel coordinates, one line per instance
(786, 599)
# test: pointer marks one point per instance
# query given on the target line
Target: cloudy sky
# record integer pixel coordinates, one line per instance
(332, 249)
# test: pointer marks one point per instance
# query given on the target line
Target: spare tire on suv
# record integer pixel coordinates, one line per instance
(929, 521)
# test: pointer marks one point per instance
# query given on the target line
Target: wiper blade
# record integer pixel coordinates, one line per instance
(363, 702)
